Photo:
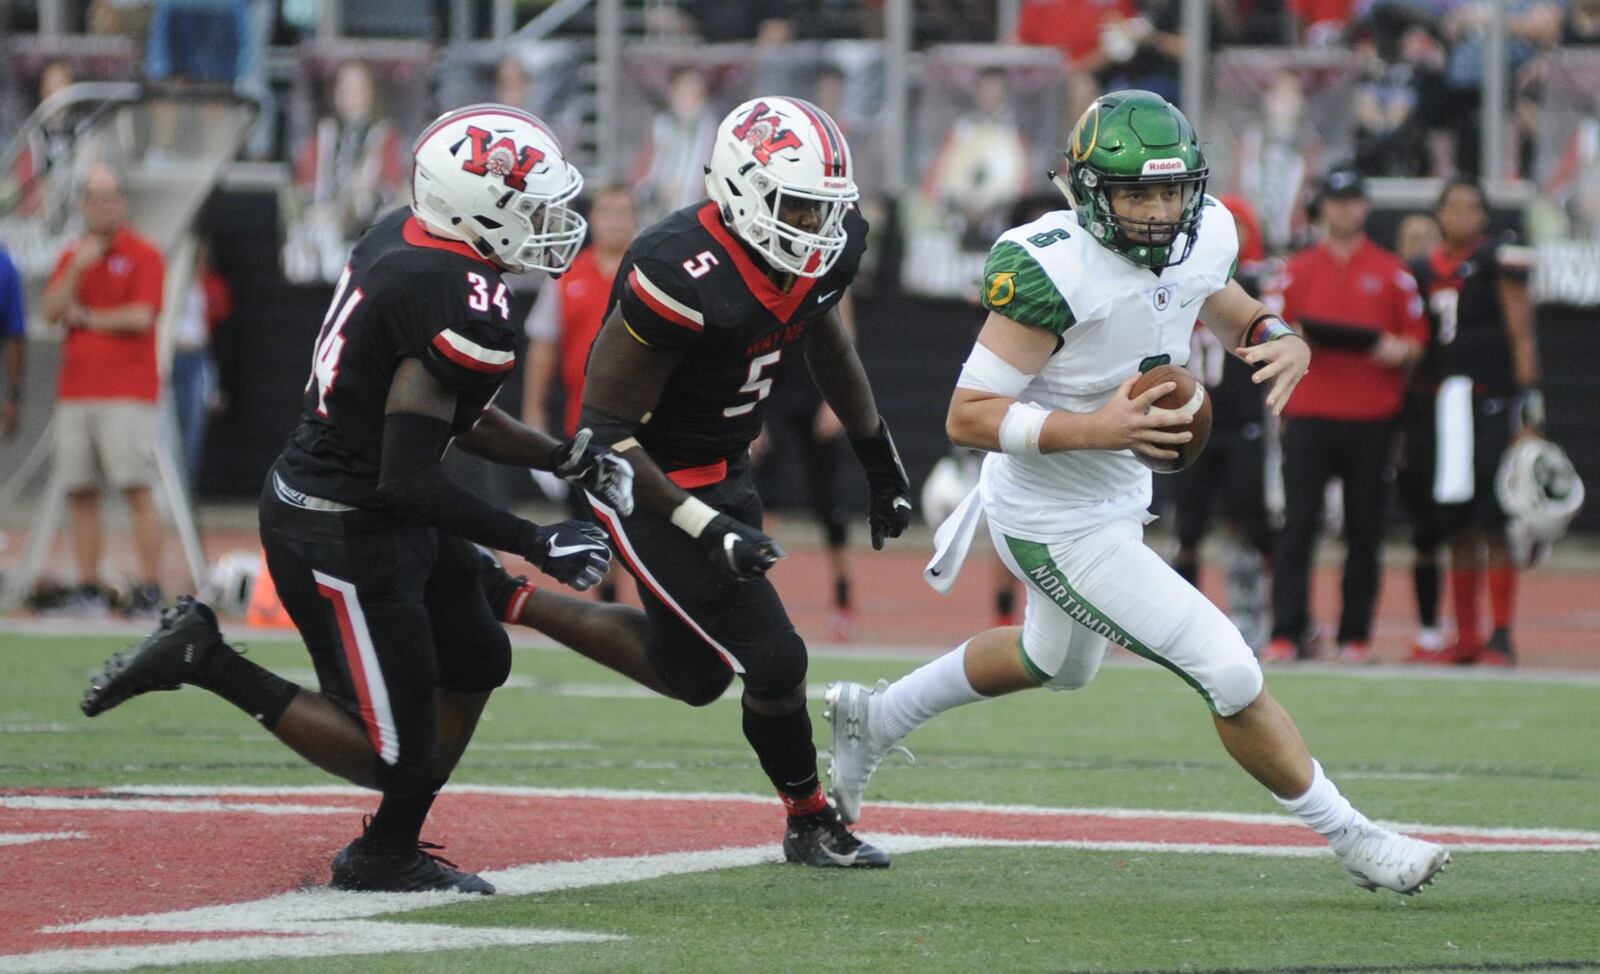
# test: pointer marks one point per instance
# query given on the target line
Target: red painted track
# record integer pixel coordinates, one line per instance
(1558, 609)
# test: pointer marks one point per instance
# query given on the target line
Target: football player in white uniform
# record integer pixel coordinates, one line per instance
(1080, 302)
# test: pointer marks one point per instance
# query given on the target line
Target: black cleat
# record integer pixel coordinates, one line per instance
(165, 659)
(821, 840)
(360, 869)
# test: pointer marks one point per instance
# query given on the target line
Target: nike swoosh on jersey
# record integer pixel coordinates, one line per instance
(1185, 304)
(824, 297)
(559, 550)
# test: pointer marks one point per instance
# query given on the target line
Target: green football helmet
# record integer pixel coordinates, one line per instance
(1135, 138)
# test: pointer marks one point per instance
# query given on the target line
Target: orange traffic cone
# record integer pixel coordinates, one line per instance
(264, 609)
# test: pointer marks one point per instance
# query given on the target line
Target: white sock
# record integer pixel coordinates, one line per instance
(926, 692)
(1322, 808)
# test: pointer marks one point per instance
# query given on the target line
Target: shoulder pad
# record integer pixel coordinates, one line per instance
(1015, 282)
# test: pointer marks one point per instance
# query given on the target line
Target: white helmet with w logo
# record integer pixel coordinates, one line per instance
(780, 171)
(494, 178)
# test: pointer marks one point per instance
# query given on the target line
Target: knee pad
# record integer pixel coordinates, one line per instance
(770, 675)
(490, 666)
(708, 689)
(1236, 686)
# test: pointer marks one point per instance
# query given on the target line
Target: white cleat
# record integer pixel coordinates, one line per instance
(1376, 857)
(859, 745)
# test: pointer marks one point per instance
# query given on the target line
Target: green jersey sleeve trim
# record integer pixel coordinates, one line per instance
(1014, 285)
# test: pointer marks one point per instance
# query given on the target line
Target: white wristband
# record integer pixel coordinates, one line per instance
(1022, 427)
(692, 516)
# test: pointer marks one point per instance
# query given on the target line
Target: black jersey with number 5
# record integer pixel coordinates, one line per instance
(688, 284)
(405, 294)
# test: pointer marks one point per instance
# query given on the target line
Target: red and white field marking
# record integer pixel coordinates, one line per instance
(110, 880)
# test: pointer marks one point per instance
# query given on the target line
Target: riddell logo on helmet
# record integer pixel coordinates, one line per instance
(504, 158)
(762, 132)
(1158, 166)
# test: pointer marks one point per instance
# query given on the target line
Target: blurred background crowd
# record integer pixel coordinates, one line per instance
(257, 138)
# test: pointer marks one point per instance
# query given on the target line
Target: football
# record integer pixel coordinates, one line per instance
(1190, 397)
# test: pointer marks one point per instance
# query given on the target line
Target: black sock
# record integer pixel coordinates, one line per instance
(1425, 580)
(1005, 600)
(841, 593)
(257, 691)
(783, 745)
(397, 824)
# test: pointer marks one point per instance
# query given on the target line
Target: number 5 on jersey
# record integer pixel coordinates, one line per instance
(330, 343)
(760, 387)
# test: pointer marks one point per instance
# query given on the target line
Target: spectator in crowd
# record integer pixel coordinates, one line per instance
(1320, 23)
(1390, 136)
(566, 316)
(49, 148)
(14, 338)
(1358, 306)
(352, 166)
(669, 170)
(106, 291)
(1252, 22)
(1415, 240)
(1416, 236)
(1532, 26)
(1232, 473)
(1145, 51)
(981, 170)
(207, 303)
(197, 40)
(1487, 362)
(1277, 151)
(1076, 28)
(548, 99)
(1581, 25)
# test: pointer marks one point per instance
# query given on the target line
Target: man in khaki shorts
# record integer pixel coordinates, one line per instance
(106, 292)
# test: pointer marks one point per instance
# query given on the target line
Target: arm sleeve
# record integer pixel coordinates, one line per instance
(544, 318)
(1014, 285)
(659, 308)
(411, 482)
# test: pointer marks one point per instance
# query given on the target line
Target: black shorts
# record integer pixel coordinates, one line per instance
(390, 612)
(704, 626)
(1230, 473)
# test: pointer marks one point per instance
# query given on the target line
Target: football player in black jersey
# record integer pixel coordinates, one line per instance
(1487, 363)
(706, 305)
(368, 543)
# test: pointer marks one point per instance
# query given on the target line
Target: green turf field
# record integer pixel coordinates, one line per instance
(1434, 749)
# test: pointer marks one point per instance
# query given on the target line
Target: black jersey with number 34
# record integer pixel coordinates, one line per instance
(688, 284)
(405, 294)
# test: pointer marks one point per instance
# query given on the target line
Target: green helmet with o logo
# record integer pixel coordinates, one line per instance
(1135, 138)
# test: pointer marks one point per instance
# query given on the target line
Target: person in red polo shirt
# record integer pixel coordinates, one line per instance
(106, 291)
(563, 322)
(1358, 306)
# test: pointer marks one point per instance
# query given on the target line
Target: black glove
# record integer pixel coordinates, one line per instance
(889, 490)
(574, 553)
(596, 469)
(739, 550)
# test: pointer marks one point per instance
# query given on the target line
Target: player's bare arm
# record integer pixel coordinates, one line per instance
(1260, 337)
(976, 417)
(626, 378)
